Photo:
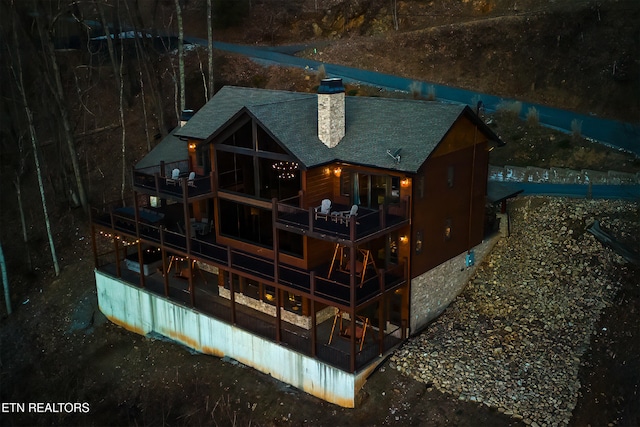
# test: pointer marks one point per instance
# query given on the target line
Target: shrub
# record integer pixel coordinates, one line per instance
(322, 73)
(415, 88)
(533, 118)
(509, 107)
(431, 93)
(576, 128)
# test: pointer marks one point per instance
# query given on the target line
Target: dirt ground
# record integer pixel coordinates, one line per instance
(57, 347)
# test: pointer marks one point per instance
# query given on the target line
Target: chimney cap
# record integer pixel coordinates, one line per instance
(186, 115)
(332, 85)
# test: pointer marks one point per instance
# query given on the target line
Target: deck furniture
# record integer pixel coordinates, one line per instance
(175, 177)
(324, 210)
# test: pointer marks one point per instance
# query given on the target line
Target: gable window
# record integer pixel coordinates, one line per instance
(250, 162)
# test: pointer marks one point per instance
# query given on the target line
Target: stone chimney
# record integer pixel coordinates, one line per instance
(331, 124)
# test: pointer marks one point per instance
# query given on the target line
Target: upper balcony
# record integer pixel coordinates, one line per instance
(341, 223)
(161, 181)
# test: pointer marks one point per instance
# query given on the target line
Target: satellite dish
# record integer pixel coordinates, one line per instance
(395, 155)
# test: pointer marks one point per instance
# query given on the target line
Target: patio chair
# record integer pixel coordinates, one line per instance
(191, 179)
(345, 216)
(175, 176)
(324, 210)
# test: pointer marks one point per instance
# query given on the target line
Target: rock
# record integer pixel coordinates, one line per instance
(542, 282)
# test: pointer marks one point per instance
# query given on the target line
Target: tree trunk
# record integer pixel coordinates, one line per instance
(180, 58)
(143, 58)
(17, 75)
(5, 281)
(59, 96)
(23, 221)
(210, 48)
(121, 108)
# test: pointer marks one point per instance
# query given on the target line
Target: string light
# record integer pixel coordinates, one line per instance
(119, 238)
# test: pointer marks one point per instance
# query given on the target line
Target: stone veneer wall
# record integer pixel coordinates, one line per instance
(434, 290)
(287, 316)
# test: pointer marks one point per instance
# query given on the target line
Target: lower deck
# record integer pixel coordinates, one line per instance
(294, 330)
(253, 339)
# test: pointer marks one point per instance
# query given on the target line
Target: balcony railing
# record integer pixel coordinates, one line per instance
(336, 351)
(333, 289)
(366, 223)
(159, 180)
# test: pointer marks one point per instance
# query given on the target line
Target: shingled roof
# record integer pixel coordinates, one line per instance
(373, 126)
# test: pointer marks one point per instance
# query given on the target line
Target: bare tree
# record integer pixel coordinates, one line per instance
(57, 89)
(180, 57)
(16, 71)
(210, 48)
(117, 73)
(141, 44)
(5, 280)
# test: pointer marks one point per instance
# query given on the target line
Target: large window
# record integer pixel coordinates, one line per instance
(236, 172)
(247, 223)
(370, 190)
(279, 179)
(256, 166)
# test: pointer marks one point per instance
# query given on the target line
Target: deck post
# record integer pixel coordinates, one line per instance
(156, 178)
(232, 295)
(278, 314)
(276, 240)
(352, 302)
(165, 273)
(381, 321)
(314, 325)
(94, 247)
(115, 244)
(140, 263)
(136, 214)
(311, 219)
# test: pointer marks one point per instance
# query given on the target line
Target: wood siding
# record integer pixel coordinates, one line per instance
(448, 201)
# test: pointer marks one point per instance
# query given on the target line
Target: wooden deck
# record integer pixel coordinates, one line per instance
(207, 300)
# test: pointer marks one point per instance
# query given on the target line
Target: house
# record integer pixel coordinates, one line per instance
(305, 235)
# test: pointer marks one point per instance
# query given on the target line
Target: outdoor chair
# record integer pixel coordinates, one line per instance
(175, 176)
(324, 210)
(191, 179)
(345, 216)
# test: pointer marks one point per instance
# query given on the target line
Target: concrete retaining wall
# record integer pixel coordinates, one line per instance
(561, 176)
(143, 312)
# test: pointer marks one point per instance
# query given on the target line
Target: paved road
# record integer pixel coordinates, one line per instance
(627, 192)
(621, 135)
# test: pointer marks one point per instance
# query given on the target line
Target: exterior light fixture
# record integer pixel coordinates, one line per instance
(192, 146)
(285, 169)
(405, 182)
(337, 172)
(403, 239)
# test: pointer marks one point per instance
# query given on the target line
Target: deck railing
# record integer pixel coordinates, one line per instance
(341, 226)
(332, 289)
